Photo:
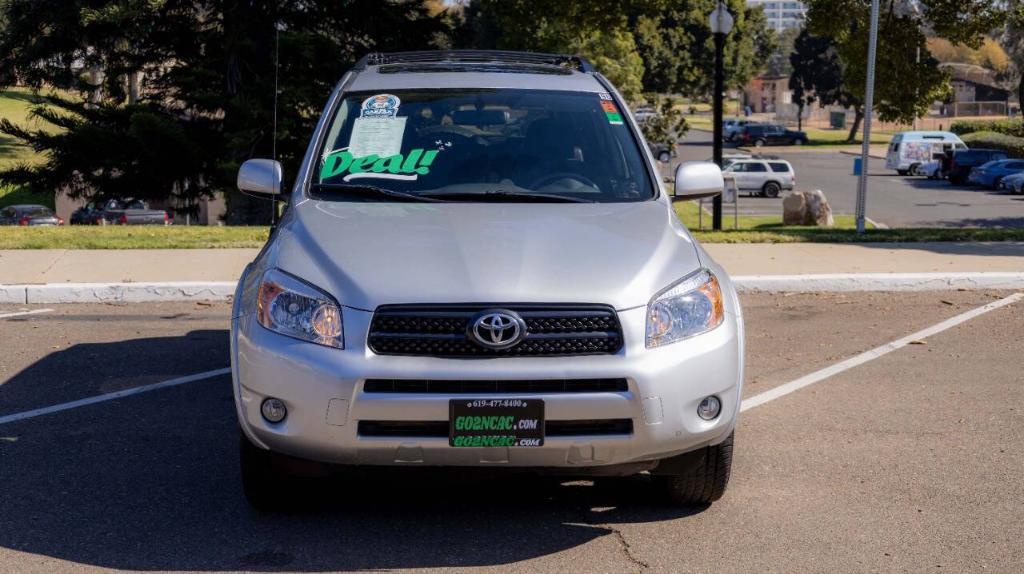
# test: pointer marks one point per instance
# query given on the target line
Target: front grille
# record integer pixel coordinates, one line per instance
(442, 331)
(439, 429)
(496, 387)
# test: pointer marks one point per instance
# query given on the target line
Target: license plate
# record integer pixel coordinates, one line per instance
(496, 422)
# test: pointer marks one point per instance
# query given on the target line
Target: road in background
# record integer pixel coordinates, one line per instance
(907, 463)
(892, 200)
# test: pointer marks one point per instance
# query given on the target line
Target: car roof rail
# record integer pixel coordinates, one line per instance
(475, 56)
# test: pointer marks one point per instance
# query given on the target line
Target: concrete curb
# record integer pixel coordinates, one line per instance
(842, 282)
(223, 290)
(124, 292)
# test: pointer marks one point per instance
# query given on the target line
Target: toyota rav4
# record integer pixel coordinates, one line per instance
(479, 267)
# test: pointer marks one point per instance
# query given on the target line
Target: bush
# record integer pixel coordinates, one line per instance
(1008, 127)
(991, 140)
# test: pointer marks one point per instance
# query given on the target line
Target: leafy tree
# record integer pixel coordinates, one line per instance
(818, 76)
(676, 44)
(596, 31)
(203, 76)
(904, 88)
(614, 53)
(668, 126)
(779, 63)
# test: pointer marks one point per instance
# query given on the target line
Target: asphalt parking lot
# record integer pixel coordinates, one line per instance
(911, 461)
(892, 200)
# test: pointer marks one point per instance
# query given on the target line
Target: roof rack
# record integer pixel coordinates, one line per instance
(475, 56)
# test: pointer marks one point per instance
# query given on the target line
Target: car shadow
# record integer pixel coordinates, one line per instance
(151, 482)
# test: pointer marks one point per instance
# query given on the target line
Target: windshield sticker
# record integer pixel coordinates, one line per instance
(380, 136)
(604, 96)
(396, 166)
(380, 106)
(612, 112)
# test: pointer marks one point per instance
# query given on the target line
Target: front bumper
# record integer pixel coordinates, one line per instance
(323, 389)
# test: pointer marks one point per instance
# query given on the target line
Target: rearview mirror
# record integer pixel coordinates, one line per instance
(260, 176)
(697, 179)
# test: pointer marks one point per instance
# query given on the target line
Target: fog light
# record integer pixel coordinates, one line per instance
(273, 410)
(709, 408)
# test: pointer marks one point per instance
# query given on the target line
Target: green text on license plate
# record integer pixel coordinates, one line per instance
(496, 422)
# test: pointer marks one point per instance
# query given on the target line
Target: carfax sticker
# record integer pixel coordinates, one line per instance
(611, 112)
(380, 106)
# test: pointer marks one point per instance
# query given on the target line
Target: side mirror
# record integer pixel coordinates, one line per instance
(260, 176)
(696, 180)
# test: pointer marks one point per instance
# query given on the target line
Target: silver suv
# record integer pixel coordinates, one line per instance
(478, 267)
(764, 177)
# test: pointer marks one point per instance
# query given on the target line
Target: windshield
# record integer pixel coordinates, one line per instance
(475, 145)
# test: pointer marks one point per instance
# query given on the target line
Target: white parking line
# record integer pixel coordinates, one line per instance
(20, 313)
(754, 401)
(111, 396)
(818, 376)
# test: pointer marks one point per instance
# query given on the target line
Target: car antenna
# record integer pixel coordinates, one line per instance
(273, 138)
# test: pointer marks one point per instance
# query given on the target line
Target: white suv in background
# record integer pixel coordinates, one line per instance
(764, 177)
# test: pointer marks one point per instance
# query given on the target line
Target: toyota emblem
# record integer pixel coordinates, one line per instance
(497, 329)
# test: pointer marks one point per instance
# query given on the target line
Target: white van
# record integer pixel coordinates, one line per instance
(908, 150)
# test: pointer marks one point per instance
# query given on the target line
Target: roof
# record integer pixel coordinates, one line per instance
(973, 74)
(474, 69)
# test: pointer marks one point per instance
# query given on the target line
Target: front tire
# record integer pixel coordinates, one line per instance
(705, 482)
(758, 143)
(264, 485)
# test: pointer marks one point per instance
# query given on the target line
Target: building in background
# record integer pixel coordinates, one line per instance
(782, 14)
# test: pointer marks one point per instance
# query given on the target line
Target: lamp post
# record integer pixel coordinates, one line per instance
(721, 25)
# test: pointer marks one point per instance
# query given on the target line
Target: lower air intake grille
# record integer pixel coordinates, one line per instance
(439, 429)
(495, 387)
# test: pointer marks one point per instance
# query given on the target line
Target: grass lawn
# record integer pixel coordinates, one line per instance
(15, 104)
(132, 237)
(817, 136)
(767, 229)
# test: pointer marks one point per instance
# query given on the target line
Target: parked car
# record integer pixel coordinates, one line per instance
(731, 129)
(511, 292)
(1014, 183)
(662, 152)
(766, 178)
(88, 214)
(935, 169)
(114, 212)
(643, 113)
(991, 174)
(759, 135)
(908, 150)
(962, 161)
(731, 157)
(29, 215)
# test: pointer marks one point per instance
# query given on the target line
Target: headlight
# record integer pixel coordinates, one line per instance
(689, 307)
(291, 307)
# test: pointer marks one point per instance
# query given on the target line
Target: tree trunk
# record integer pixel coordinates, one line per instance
(858, 115)
(134, 87)
(799, 117)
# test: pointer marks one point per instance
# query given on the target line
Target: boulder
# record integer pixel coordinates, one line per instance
(807, 208)
(794, 207)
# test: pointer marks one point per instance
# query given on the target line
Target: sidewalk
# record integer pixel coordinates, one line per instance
(205, 265)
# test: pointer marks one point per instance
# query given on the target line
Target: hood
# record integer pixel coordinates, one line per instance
(371, 254)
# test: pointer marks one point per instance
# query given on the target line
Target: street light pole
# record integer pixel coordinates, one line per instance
(716, 220)
(869, 94)
(721, 24)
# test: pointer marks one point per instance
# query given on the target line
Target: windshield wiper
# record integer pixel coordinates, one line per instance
(507, 196)
(371, 191)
